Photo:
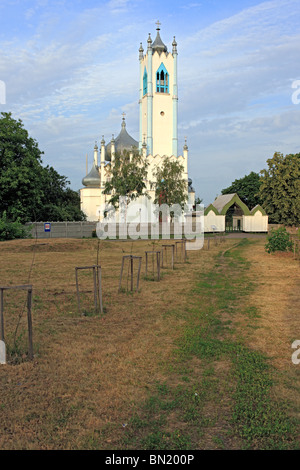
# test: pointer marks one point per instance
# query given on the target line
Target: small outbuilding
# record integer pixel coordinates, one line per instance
(228, 212)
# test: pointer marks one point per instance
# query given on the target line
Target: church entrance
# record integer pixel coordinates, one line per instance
(234, 219)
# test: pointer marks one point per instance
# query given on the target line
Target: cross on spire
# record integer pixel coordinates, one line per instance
(158, 25)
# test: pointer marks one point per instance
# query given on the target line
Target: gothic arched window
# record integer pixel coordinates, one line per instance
(162, 80)
(145, 82)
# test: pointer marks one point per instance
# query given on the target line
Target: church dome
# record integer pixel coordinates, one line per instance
(92, 179)
(190, 187)
(158, 45)
(123, 142)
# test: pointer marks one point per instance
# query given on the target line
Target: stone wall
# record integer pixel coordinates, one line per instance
(63, 229)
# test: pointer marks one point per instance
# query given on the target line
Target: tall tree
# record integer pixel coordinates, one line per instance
(247, 189)
(280, 189)
(29, 191)
(127, 178)
(170, 186)
(21, 170)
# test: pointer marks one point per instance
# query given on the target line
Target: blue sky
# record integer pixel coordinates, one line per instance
(71, 69)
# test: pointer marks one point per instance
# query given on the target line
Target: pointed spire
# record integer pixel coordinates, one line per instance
(174, 44)
(149, 41)
(158, 45)
(141, 52)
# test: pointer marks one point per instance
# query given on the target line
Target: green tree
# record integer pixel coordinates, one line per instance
(29, 191)
(21, 171)
(59, 201)
(280, 189)
(247, 189)
(170, 186)
(127, 178)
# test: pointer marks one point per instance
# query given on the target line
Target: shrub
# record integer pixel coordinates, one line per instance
(10, 230)
(279, 240)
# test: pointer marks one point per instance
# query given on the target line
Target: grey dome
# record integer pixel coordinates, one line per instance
(92, 180)
(190, 187)
(158, 45)
(123, 142)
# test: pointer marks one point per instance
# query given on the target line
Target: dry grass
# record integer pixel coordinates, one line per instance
(90, 373)
(277, 280)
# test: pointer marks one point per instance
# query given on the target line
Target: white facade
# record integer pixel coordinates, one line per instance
(214, 222)
(257, 222)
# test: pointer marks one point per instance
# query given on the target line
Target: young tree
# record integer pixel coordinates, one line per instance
(170, 186)
(280, 189)
(127, 178)
(247, 189)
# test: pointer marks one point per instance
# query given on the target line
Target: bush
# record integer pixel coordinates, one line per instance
(10, 230)
(279, 240)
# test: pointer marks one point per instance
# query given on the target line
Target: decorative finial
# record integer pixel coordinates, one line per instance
(158, 25)
(123, 121)
(141, 52)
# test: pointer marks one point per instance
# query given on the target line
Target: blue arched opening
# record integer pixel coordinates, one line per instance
(162, 79)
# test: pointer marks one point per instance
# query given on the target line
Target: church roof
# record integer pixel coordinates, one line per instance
(92, 180)
(158, 45)
(221, 201)
(123, 142)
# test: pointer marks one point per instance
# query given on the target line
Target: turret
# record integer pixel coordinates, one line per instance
(96, 154)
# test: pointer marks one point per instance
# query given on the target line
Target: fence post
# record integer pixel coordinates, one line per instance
(29, 318)
(1, 315)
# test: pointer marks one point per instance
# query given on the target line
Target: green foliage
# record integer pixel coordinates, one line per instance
(10, 230)
(247, 189)
(198, 200)
(280, 189)
(29, 191)
(279, 240)
(127, 177)
(170, 187)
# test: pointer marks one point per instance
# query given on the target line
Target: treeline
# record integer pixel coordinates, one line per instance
(30, 191)
(276, 189)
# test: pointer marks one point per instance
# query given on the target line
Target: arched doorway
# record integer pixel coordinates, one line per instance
(234, 219)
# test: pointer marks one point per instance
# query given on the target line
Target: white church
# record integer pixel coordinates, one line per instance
(158, 138)
(158, 135)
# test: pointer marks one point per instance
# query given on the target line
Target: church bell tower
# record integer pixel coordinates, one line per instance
(158, 103)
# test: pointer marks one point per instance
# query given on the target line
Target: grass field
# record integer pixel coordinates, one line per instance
(199, 360)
